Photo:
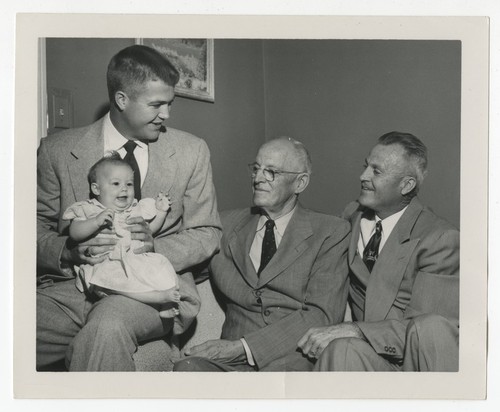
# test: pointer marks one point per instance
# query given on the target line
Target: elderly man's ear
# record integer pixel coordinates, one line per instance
(408, 184)
(302, 182)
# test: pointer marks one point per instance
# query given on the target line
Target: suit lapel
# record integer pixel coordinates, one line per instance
(353, 243)
(87, 151)
(385, 278)
(162, 163)
(162, 167)
(240, 241)
(292, 245)
(357, 267)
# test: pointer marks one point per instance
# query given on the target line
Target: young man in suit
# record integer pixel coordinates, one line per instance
(281, 270)
(404, 273)
(102, 334)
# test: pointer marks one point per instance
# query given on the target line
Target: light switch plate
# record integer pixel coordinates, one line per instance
(61, 109)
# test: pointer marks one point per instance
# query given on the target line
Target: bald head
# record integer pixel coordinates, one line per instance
(296, 156)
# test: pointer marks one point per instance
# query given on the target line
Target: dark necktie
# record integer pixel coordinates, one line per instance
(268, 246)
(370, 253)
(130, 159)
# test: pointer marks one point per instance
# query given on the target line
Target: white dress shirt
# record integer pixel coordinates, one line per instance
(114, 141)
(367, 228)
(280, 225)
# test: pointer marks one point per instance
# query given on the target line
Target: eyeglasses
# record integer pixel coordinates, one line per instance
(269, 174)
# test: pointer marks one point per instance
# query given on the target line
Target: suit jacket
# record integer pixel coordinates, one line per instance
(304, 284)
(179, 163)
(417, 272)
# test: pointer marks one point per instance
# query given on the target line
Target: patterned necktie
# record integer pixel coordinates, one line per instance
(130, 159)
(370, 253)
(268, 246)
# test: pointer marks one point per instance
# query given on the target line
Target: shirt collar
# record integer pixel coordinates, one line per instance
(113, 139)
(389, 222)
(370, 219)
(280, 224)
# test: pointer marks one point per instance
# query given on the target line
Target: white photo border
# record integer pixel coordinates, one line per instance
(468, 383)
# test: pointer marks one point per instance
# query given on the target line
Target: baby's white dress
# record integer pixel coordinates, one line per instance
(123, 270)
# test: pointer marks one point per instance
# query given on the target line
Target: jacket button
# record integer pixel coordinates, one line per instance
(267, 312)
(386, 348)
(259, 301)
(258, 292)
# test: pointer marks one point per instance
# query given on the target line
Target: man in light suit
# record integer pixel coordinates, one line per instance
(404, 273)
(281, 270)
(103, 334)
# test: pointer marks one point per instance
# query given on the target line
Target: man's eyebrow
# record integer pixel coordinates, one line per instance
(373, 165)
(272, 167)
(265, 166)
(159, 101)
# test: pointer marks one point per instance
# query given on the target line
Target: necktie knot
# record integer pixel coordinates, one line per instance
(132, 161)
(269, 224)
(130, 146)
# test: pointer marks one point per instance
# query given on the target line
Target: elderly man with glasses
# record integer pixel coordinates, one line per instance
(281, 270)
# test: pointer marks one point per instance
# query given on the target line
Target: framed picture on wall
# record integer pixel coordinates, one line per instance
(194, 58)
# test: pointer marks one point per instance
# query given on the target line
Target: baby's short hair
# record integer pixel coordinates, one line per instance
(112, 158)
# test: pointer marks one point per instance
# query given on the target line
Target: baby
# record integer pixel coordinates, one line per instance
(146, 277)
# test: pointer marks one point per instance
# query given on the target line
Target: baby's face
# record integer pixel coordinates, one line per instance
(115, 184)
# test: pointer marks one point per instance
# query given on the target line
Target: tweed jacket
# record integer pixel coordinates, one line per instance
(304, 284)
(417, 272)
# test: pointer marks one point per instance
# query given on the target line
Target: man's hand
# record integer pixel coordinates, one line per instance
(220, 350)
(139, 230)
(91, 252)
(314, 342)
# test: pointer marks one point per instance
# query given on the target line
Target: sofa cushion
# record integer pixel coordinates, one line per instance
(158, 355)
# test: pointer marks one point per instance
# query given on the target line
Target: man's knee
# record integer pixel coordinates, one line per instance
(343, 346)
(352, 354)
(431, 344)
(108, 328)
(339, 353)
(192, 364)
(429, 328)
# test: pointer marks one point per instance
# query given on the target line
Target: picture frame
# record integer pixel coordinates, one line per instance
(194, 58)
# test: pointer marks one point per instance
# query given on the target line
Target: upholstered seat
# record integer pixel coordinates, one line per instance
(158, 355)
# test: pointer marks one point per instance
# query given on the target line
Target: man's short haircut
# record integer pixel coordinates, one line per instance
(112, 158)
(415, 150)
(133, 66)
(301, 153)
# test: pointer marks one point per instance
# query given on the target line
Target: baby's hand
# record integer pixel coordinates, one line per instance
(163, 202)
(105, 218)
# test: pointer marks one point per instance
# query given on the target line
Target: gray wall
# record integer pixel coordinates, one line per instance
(79, 65)
(335, 96)
(338, 97)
